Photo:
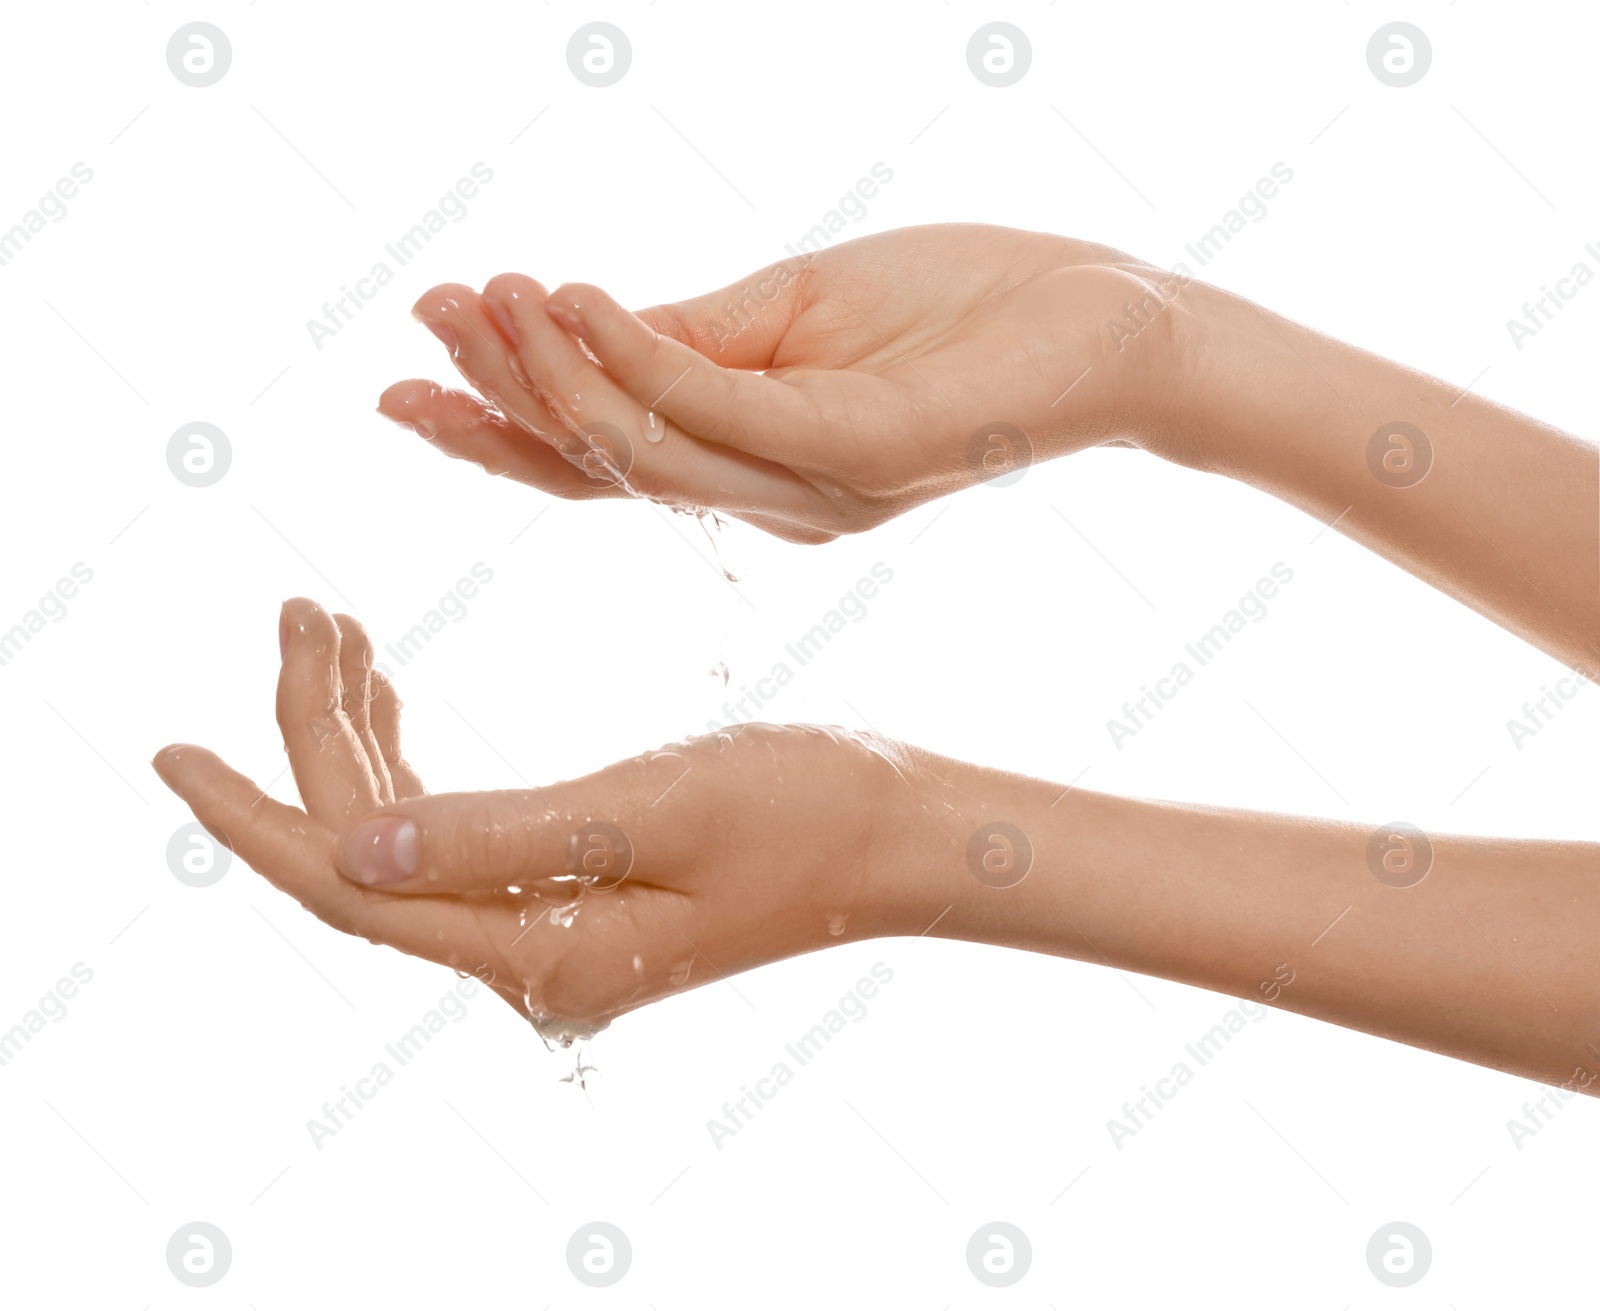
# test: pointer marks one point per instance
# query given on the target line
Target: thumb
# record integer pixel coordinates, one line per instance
(697, 362)
(593, 832)
(740, 326)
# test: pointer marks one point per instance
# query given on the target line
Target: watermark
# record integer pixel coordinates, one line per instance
(199, 1254)
(1251, 208)
(999, 854)
(851, 208)
(195, 858)
(599, 855)
(199, 454)
(50, 208)
(599, 54)
(851, 608)
(1139, 712)
(50, 1009)
(1538, 1114)
(999, 54)
(599, 1254)
(451, 608)
(1399, 1254)
(1540, 313)
(338, 1112)
(999, 454)
(51, 608)
(199, 54)
(1538, 715)
(739, 1112)
(1399, 454)
(1140, 1112)
(753, 297)
(1399, 54)
(452, 207)
(999, 1254)
(1399, 855)
(1139, 315)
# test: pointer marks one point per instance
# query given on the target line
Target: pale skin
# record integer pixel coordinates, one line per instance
(847, 395)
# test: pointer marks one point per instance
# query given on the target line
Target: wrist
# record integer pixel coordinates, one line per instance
(970, 853)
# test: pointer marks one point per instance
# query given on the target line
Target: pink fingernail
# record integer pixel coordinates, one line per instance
(380, 851)
(447, 335)
(501, 316)
(566, 316)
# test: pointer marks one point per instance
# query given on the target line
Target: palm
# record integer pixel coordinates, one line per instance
(823, 401)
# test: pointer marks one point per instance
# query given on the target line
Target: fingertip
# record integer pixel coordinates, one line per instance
(580, 307)
(402, 402)
(515, 289)
(168, 761)
(380, 851)
(441, 300)
(303, 617)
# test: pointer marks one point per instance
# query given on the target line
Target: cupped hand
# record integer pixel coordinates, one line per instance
(582, 900)
(823, 395)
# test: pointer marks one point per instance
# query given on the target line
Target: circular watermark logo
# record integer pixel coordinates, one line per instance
(199, 54)
(599, 855)
(599, 54)
(1399, 1254)
(598, 1254)
(199, 454)
(999, 854)
(1399, 855)
(609, 458)
(1399, 54)
(198, 1254)
(999, 454)
(196, 858)
(999, 54)
(1399, 454)
(999, 1254)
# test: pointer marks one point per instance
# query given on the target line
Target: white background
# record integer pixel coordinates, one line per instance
(978, 1087)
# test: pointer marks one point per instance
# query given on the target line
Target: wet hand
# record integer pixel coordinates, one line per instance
(582, 900)
(823, 395)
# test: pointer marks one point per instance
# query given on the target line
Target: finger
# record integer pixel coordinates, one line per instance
(742, 325)
(539, 370)
(656, 459)
(385, 712)
(466, 428)
(296, 854)
(355, 678)
(599, 830)
(750, 412)
(330, 765)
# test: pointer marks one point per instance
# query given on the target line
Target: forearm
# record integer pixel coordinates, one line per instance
(1488, 957)
(1493, 508)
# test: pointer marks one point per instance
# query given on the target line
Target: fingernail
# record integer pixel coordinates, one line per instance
(566, 316)
(497, 311)
(447, 335)
(283, 634)
(380, 851)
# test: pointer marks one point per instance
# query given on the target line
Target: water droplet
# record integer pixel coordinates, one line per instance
(680, 973)
(655, 427)
(836, 924)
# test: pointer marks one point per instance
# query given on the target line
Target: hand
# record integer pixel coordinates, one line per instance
(582, 900)
(821, 396)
